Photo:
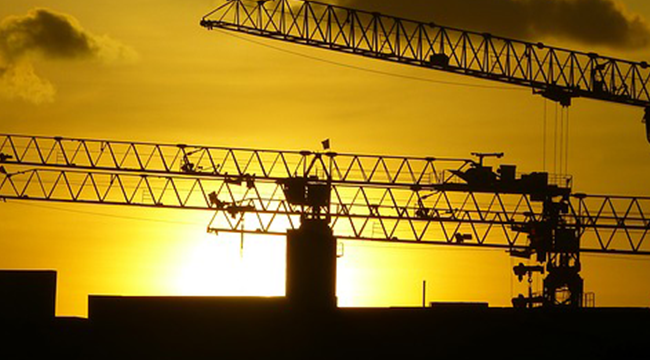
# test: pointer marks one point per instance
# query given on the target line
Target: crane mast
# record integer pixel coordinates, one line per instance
(556, 222)
(438, 201)
(556, 73)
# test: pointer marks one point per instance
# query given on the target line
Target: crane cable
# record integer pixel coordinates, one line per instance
(561, 143)
(566, 143)
(556, 160)
(561, 132)
(555, 140)
(360, 68)
(544, 140)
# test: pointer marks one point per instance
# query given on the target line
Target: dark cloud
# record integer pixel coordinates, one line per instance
(45, 34)
(592, 22)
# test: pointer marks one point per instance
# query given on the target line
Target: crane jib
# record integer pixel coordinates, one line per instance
(536, 65)
(394, 199)
(556, 73)
(372, 197)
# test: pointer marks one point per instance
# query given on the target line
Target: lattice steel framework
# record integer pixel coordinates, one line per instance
(378, 198)
(559, 74)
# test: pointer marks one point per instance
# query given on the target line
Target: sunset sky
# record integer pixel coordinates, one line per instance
(146, 71)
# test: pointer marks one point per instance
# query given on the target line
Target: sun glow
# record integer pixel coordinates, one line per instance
(222, 266)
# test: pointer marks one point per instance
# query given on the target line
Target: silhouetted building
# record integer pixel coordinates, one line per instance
(279, 328)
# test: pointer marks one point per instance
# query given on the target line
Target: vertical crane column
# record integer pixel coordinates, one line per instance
(551, 238)
(557, 244)
(563, 285)
(311, 266)
(311, 249)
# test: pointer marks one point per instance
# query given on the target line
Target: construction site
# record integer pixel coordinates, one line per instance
(319, 200)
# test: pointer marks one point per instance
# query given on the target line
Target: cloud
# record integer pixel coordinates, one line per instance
(47, 35)
(591, 22)
(21, 82)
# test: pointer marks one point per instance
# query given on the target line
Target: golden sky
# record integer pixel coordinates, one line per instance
(156, 75)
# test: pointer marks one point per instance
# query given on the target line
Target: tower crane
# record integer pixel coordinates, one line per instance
(317, 197)
(555, 73)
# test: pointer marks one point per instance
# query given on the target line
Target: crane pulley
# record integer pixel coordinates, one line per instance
(438, 201)
(556, 73)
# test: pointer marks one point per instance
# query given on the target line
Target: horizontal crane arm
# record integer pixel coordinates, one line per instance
(222, 162)
(395, 215)
(558, 74)
(395, 199)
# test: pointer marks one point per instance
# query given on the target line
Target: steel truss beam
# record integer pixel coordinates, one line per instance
(560, 74)
(227, 163)
(395, 199)
(357, 212)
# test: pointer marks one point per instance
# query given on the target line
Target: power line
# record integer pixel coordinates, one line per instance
(109, 215)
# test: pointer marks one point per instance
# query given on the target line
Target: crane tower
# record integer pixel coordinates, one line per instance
(316, 197)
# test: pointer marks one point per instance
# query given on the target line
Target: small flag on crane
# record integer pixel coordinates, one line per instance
(326, 144)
